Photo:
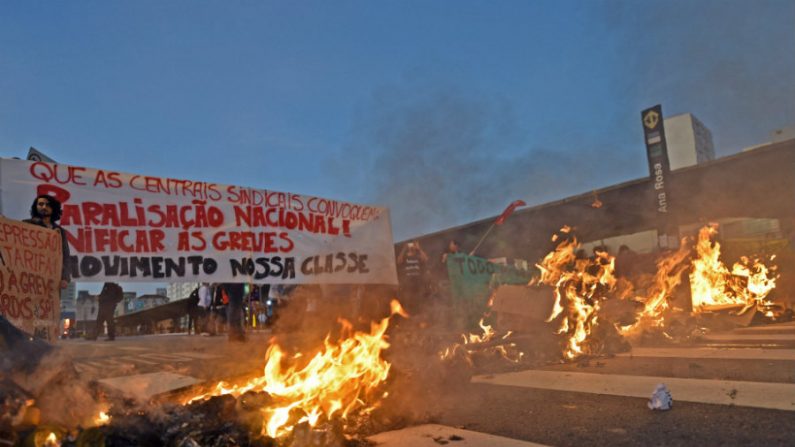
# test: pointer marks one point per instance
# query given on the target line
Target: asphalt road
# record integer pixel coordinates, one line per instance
(715, 386)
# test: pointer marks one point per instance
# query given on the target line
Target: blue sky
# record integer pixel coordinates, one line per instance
(444, 111)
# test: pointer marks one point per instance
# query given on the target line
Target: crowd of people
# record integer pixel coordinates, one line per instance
(232, 307)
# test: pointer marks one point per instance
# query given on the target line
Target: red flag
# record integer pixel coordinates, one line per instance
(508, 211)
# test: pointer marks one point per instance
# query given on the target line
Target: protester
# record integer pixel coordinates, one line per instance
(626, 262)
(205, 305)
(412, 262)
(234, 310)
(111, 295)
(193, 312)
(218, 312)
(452, 249)
(46, 212)
(446, 309)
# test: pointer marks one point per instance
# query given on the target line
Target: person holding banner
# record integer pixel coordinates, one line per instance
(46, 212)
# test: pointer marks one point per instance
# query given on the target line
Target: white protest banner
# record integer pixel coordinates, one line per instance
(128, 227)
(30, 277)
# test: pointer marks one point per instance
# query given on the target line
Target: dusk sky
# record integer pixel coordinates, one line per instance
(444, 111)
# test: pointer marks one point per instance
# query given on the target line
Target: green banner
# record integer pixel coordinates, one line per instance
(472, 278)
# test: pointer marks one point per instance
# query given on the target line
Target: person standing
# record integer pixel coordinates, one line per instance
(412, 261)
(446, 308)
(205, 304)
(234, 310)
(218, 311)
(46, 212)
(111, 295)
(452, 249)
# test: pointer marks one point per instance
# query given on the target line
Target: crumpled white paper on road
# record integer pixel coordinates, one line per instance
(661, 398)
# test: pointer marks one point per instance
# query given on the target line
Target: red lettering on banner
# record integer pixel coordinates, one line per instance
(60, 174)
(277, 217)
(260, 242)
(11, 306)
(22, 258)
(196, 215)
(92, 240)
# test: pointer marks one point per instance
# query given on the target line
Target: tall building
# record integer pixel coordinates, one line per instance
(161, 291)
(689, 141)
(68, 305)
(128, 304)
(86, 311)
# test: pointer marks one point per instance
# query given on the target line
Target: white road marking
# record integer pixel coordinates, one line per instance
(432, 435)
(713, 353)
(138, 359)
(778, 396)
(749, 337)
(168, 358)
(198, 355)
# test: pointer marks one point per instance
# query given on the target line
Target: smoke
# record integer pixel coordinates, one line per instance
(444, 154)
(729, 62)
(439, 157)
(62, 396)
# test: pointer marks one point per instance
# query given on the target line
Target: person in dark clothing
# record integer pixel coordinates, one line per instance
(220, 301)
(108, 298)
(46, 212)
(452, 249)
(412, 262)
(234, 310)
(626, 262)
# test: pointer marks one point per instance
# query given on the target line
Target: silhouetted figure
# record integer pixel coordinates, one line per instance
(111, 295)
(412, 262)
(234, 310)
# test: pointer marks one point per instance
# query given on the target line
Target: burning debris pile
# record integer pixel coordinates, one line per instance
(340, 380)
(579, 285)
(582, 285)
(480, 349)
(40, 390)
(324, 399)
(714, 287)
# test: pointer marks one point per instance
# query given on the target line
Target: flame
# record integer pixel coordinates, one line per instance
(339, 379)
(507, 350)
(488, 334)
(578, 285)
(102, 419)
(51, 440)
(666, 279)
(714, 287)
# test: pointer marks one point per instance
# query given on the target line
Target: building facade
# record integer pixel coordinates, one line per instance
(689, 141)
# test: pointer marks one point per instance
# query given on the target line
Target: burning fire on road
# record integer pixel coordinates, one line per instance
(340, 379)
(580, 286)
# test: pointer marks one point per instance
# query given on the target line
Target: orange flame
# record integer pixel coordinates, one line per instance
(488, 334)
(579, 285)
(714, 287)
(339, 379)
(102, 419)
(666, 279)
(51, 440)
